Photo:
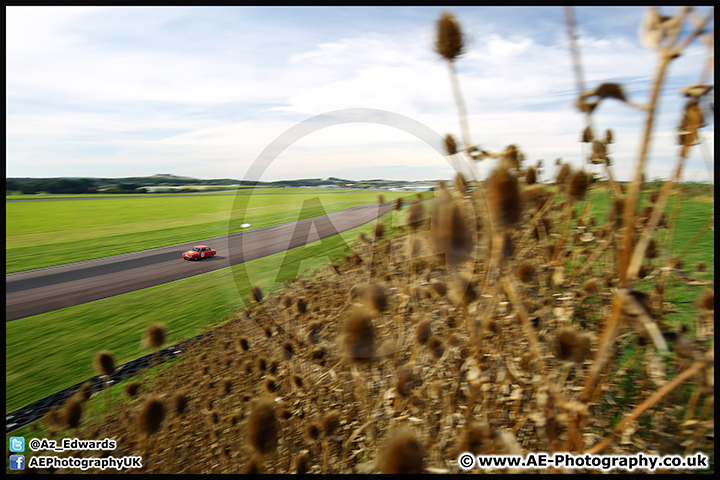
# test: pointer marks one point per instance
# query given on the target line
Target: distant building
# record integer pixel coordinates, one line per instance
(416, 188)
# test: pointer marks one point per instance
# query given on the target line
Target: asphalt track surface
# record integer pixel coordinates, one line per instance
(47, 289)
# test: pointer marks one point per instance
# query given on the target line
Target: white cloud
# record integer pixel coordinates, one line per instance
(173, 87)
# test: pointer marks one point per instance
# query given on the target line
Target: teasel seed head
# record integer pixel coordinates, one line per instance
(463, 290)
(132, 389)
(591, 286)
(416, 215)
(300, 306)
(104, 363)
(301, 463)
(154, 336)
(406, 380)
(379, 229)
(608, 136)
(256, 294)
(531, 176)
(439, 287)
(423, 331)
(708, 299)
(403, 454)
(313, 332)
(578, 186)
(563, 174)
(511, 158)
(288, 351)
(312, 431)
(652, 249)
(271, 386)
(653, 197)
(359, 336)
(618, 211)
(504, 197)
(587, 135)
(72, 413)
(331, 422)
(436, 347)
(449, 41)
(571, 346)
(381, 199)
(261, 364)
(254, 467)
(213, 417)
(226, 386)
(450, 145)
(526, 272)
(398, 203)
(151, 416)
(449, 231)
(454, 340)
(461, 184)
(317, 354)
(85, 391)
(263, 426)
(372, 296)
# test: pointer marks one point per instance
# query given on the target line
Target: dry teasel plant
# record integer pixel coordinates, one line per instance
(154, 338)
(72, 413)
(450, 45)
(262, 427)
(359, 338)
(256, 294)
(450, 232)
(105, 366)
(373, 296)
(403, 454)
(150, 419)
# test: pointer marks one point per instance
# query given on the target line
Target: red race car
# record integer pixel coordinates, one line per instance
(199, 252)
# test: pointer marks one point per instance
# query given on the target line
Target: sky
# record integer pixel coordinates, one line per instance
(279, 93)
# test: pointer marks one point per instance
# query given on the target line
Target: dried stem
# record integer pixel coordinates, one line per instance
(658, 210)
(462, 113)
(574, 50)
(666, 56)
(606, 342)
(708, 225)
(634, 191)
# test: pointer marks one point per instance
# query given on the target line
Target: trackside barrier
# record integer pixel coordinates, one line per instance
(38, 409)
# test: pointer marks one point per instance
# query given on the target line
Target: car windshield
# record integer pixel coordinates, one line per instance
(197, 249)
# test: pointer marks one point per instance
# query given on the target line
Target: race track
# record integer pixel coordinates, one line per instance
(43, 290)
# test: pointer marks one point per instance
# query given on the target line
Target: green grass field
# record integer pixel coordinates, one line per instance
(49, 352)
(46, 233)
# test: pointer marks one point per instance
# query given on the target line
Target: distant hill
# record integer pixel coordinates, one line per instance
(79, 185)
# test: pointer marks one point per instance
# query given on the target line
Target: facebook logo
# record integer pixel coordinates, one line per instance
(17, 444)
(17, 462)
